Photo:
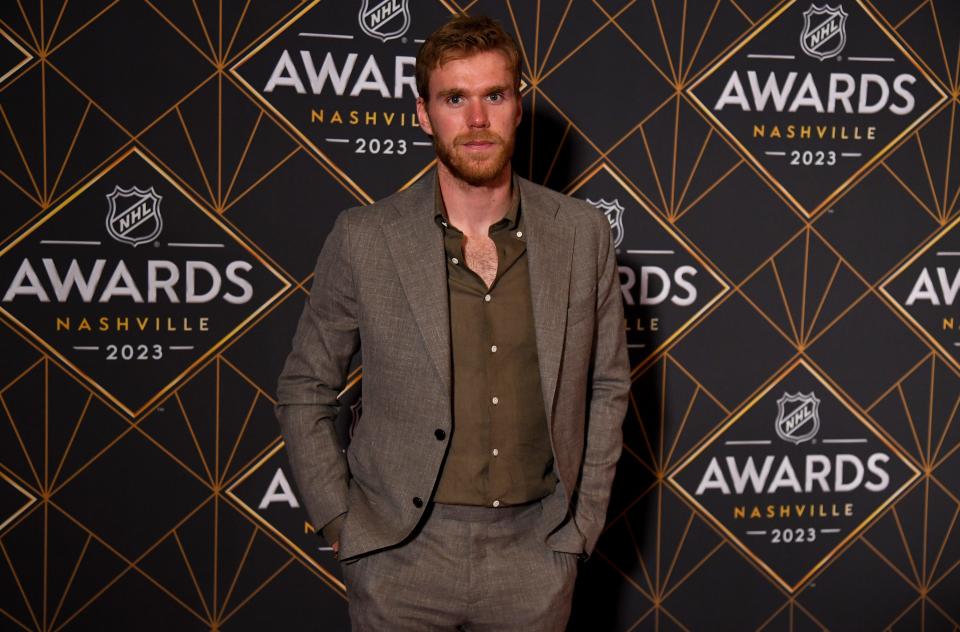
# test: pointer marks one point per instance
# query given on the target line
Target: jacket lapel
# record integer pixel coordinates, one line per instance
(416, 245)
(549, 252)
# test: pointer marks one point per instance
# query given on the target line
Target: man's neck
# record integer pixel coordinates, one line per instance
(473, 209)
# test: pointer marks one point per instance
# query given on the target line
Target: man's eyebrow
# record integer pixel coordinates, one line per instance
(449, 92)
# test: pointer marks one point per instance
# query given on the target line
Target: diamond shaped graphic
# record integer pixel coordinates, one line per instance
(795, 474)
(815, 95)
(131, 282)
(13, 56)
(664, 283)
(345, 91)
(14, 500)
(268, 493)
(924, 289)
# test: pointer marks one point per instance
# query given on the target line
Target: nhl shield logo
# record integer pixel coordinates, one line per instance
(134, 215)
(798, 417)
(614, 212)
(824, 31)
(385, 19)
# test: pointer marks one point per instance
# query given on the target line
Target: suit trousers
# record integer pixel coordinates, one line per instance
(465, 568)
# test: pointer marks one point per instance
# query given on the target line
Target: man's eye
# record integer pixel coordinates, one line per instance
(496, 97)
(454, 99)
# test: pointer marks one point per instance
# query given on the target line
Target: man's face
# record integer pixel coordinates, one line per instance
(472, 113)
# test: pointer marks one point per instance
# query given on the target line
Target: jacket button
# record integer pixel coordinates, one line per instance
(439, 434)
(417, 502)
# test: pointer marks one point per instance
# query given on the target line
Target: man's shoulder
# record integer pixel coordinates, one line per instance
(367, 215)
(570, 210)
(385, 209)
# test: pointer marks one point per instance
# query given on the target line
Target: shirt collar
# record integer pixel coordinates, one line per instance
(509, 221)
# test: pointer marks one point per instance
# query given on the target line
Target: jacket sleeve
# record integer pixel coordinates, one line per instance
(608, 390)
(314, 374)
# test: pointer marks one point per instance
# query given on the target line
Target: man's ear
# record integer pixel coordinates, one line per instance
(423, 116)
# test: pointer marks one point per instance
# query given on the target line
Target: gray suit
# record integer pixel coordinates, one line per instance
(381, 279)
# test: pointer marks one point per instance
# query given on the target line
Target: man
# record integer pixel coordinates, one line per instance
(495, 372)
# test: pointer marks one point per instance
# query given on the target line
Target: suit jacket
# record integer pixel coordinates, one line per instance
(381, 279)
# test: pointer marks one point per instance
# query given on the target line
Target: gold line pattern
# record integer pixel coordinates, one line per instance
(917, 413)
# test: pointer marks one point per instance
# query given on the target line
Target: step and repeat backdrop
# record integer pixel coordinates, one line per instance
(781, 180)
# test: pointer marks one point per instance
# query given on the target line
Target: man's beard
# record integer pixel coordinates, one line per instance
(472, 171)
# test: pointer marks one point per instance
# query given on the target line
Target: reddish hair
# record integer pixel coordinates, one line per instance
(461, 37)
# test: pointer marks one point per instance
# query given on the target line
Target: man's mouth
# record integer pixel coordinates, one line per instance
(478, 143)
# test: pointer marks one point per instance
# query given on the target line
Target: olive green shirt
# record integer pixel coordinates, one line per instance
(499, 452)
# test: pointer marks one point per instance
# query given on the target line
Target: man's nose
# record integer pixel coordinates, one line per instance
(477, 115)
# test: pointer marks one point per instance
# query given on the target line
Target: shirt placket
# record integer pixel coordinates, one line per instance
(499, 479)
(494, 406)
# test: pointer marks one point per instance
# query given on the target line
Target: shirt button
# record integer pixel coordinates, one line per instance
(417, 502)
(495, 400)
(487, 297)
(519, 233)
(496, 452)
(454, 260)
(496, 503)
(493, 349)
(439, 434)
